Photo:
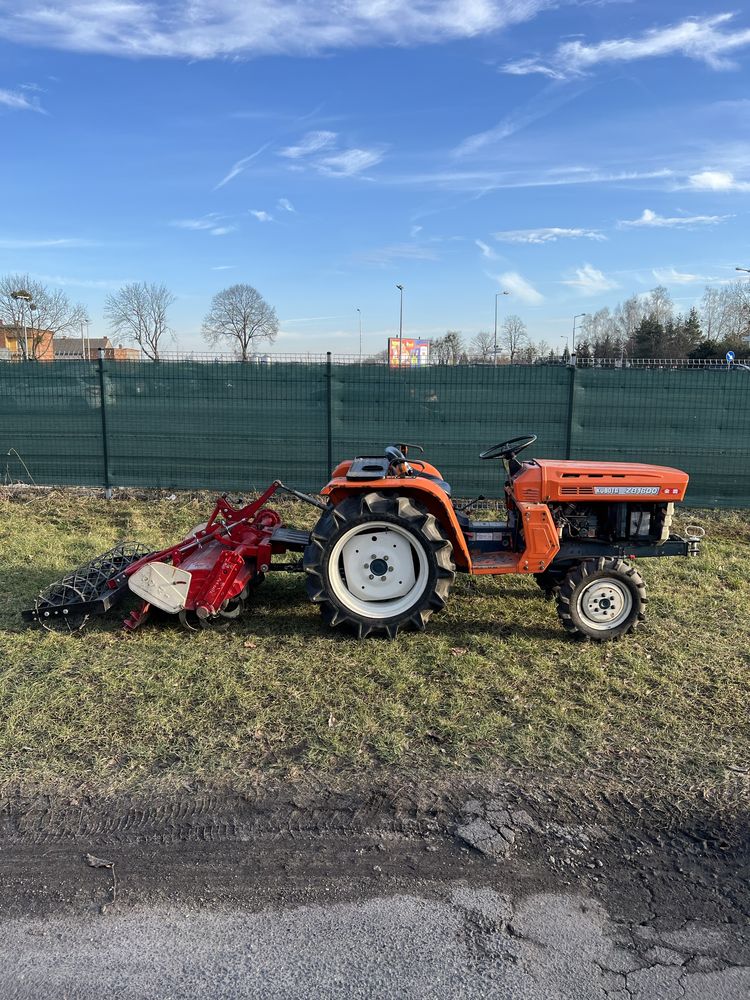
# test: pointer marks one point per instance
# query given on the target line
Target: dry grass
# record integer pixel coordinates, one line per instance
(494, 679)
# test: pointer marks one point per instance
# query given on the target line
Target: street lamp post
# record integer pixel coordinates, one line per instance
(359, 314)
(401, 313)
(494, 343)
(573, 352)
(21, 295)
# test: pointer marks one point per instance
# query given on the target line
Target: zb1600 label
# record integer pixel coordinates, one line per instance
(626, 490)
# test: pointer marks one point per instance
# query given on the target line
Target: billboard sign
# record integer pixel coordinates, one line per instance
(405, 352)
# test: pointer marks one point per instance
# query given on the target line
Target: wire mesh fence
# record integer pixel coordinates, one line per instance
(229, 425)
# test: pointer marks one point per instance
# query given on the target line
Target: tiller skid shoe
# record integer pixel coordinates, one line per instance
(204, 580)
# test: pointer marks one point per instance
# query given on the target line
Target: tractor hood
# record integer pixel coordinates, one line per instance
(557, 480)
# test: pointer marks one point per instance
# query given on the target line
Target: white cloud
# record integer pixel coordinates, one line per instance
(211, 223)
(493, 180)
(239, 166)
(349, 162)
(590, 281)
(284, 205)
(518, 286)
(487, 251)
(716, 180)
(65, 282)
(204, 29)
(19, 102)
(550, 234)
(549, 100)
(44, 244)
(312, 142)
(399, 251)
(699, 38)
(651, 219)
(670, 276)
(318, 148)
(260, 215)
(224, 267)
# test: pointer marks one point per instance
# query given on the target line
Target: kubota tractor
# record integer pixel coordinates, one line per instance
(386, 551)
(389, 542)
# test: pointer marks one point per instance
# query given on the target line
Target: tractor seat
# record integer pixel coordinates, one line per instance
(446, 487)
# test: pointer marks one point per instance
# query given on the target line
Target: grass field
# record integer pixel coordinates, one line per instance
(493, 680)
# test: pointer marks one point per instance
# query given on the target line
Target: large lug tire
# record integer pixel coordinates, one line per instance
(378, 563)
(602, 599)
(550, 581)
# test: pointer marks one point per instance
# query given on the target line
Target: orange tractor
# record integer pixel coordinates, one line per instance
(386, 548)
(386, 551)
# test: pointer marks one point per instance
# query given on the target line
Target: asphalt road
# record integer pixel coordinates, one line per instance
(373, 893)
(451, 941)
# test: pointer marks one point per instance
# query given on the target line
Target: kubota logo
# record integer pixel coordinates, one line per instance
(626, 490)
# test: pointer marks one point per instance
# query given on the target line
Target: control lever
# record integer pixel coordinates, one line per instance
(470, 504)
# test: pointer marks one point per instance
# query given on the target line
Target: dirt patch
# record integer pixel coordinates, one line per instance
(647, 859)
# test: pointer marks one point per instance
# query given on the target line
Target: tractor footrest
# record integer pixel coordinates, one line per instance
(291, 538)
(487, 562)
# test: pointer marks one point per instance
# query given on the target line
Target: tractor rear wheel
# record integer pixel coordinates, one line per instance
(378, 563)
(602, 599)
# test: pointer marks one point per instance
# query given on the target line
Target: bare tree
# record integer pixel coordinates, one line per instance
(725, 312)
(544, 349)
(53, 313)
(628, 316)
(659, 306)
(449, 349)
(240, 315)
(483, 346)
(514, 335)
(138, 313)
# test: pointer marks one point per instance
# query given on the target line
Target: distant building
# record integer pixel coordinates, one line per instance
(39, 341)
(74, 349)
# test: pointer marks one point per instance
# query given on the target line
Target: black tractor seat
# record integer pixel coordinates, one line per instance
(446, 487)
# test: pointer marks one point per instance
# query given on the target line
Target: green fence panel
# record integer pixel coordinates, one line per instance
(227, 425)
(453, 412)
(50, 423)
(215, 426)
(698, 421)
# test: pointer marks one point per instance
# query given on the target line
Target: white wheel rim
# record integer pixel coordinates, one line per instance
(604, 604)
(378, 570)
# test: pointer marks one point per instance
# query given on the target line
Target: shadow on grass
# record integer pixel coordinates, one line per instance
(271, 611)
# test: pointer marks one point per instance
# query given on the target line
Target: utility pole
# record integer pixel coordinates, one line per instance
(573, 352)
(359, 313)
(401, 315)
(494, 350)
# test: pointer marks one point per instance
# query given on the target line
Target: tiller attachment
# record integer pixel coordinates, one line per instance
(205, 579)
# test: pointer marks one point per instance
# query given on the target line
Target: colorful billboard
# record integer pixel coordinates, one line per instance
(405, 352)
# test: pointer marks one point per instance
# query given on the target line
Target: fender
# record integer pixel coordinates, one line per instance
(429, 494)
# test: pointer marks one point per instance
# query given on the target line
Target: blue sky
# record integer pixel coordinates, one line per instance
(572, 153)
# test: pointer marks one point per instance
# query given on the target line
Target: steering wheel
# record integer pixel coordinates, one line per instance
(509, 449)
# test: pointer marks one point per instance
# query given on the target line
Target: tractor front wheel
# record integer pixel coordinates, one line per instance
(602, 599)
(378, 563)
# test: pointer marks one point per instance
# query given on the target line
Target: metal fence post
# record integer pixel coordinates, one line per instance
(571, 411)
(329, 400)
(105, 443)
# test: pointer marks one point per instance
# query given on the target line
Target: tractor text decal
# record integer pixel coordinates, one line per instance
(626, 490)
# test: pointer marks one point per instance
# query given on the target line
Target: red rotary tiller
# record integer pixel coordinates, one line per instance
(205, 579)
